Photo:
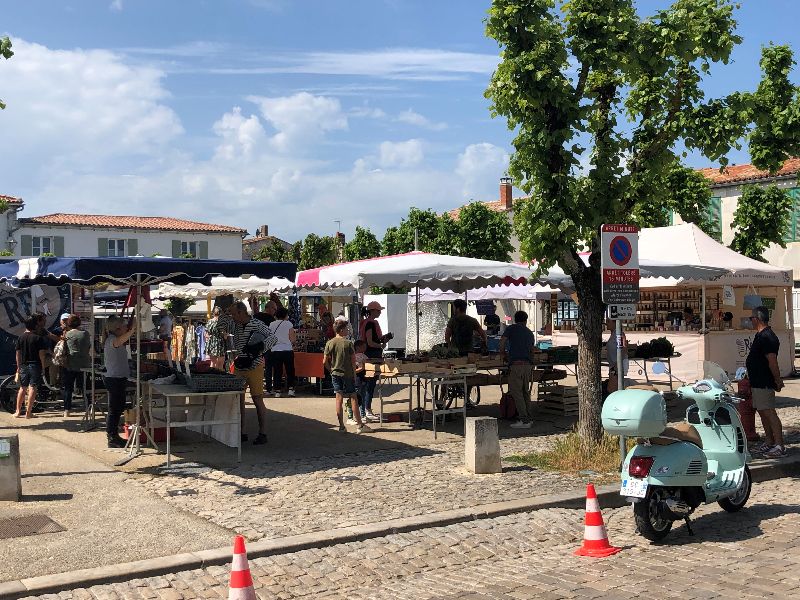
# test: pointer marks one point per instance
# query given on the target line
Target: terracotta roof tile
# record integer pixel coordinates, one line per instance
(10, 199)
(739, 173)
(495, 205)
(131, 222)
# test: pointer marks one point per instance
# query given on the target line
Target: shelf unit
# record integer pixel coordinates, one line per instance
(655, 306)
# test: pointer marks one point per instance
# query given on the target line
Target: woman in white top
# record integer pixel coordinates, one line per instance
(282, 353)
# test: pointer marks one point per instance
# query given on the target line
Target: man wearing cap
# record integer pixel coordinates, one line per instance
(370, 332)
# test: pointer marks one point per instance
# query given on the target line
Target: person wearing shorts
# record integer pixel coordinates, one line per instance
(31, 356)
(249, 331)
(765, 379)
(340, 360)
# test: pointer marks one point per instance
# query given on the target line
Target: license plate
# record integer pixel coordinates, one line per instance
(633, 488)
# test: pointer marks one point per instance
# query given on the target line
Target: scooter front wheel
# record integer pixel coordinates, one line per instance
(650, 520)
(739, 499)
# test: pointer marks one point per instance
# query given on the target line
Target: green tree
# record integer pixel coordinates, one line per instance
(400, 239)
(761, 218)
(274, 251)
(363, 245)
(448, 235)
(318, 251)
(5, 52)
(178, 306)
(600, 99)
(483, 233)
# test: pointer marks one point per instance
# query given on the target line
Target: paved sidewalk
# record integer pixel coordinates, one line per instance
(106, 521)
(751, 554)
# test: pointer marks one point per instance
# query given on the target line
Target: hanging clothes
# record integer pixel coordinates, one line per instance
(200, 336)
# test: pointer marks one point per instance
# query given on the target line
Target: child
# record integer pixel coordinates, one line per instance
(361, 360)
(340, 360)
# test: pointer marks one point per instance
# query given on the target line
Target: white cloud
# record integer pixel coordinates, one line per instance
(480, 167)
(116, 5)
(300, 119)
(414, 118)
(240, 136)
(367, 112)
(401, 154)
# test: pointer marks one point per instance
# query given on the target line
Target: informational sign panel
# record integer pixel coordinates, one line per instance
(619, 261)
(485, 307)
(621, 311)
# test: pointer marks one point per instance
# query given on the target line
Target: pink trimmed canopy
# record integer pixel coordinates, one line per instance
(435, 271)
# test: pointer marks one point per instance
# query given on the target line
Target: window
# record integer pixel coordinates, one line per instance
(793, 226)
(190, 248)
(714, 216)
(117, 248)
(42, 245)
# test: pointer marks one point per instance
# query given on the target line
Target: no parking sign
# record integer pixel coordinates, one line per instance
(619, 261)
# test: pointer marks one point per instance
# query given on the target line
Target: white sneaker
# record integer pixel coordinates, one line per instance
(370, 418)
(522, 425)
(66, 413)
(277, 394)
(370, 415)
(291, 393)
(364, 429)
(352, 421)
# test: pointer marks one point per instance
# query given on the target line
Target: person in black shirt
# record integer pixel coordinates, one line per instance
(31, 353)
(765, 380)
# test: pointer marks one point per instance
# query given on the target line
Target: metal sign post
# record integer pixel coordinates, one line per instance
(619, 262)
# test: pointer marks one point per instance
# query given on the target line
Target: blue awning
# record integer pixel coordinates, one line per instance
(88, 271)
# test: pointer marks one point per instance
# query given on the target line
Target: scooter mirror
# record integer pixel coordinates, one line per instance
(659, 368)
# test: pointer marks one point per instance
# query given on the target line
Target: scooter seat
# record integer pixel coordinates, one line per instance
(682, 432)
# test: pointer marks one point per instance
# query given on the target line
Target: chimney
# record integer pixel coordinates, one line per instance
(263, 231)
(506, 199)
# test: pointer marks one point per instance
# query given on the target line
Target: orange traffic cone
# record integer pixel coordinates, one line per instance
(595, 538)
(241, 585)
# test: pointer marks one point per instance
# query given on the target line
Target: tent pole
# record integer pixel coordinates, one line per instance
(703, 308)
(92, 354)
(416, 311)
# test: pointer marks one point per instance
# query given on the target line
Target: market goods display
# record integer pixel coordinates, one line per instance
(657, 348)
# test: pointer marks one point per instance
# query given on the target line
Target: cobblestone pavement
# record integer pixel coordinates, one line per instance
(750, 554)
(287, 497)
(298, 496)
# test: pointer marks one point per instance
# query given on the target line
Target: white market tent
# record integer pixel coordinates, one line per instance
(225, 286)
(493, 292)
(413, 269)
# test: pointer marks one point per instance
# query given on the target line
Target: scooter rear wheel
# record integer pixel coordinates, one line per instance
(739, 499)
(650, 522)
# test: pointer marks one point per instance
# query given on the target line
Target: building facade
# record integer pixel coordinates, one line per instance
(66, 234)
(262, 239)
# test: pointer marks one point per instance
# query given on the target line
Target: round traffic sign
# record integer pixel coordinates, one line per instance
(621, 250)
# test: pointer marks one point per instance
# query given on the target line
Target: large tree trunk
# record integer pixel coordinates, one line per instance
(590, 334)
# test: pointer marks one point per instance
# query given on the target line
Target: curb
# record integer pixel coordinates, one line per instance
(607, 495)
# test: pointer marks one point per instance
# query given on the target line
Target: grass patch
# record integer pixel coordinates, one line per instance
(571, 454)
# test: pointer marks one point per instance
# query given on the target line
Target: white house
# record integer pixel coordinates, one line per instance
(64, 234)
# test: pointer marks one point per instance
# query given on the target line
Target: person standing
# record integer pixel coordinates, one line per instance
(765, 379)
(115, 358)
(78, 344)
(165, 327)
(520, 341)
(31, 358)
(281, 357)
(461, 329)
(340, 360)
(251, 339)
(370, 332)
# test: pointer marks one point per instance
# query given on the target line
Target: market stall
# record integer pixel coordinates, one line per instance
(138, 273)
(703, 317)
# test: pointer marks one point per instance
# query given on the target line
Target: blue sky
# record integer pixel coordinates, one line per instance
(293, 113)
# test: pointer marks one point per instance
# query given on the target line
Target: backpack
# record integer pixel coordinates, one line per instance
(508, 408)
(61, 354)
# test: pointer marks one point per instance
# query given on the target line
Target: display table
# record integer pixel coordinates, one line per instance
(727, 348)
(215, 414)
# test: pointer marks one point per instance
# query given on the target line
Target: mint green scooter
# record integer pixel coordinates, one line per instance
(673, 470)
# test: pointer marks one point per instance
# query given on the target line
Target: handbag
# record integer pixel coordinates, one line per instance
(61, 354)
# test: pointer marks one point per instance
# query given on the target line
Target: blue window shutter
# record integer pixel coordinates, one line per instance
(176, 248)
(202, 249)
(27, 245)
(133, 247)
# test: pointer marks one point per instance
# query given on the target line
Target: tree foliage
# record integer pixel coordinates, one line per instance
(5, 52)
(178, 306)
(483, 233)
(400, 239)
(761, 218)
(318, 251)
(273, 251)
(363, 245)
(600, 99)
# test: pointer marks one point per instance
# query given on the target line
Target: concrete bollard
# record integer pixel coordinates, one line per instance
(10, 475)
(482, 446)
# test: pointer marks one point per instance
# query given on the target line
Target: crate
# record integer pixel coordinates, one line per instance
(559, 400)
(212, 382)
